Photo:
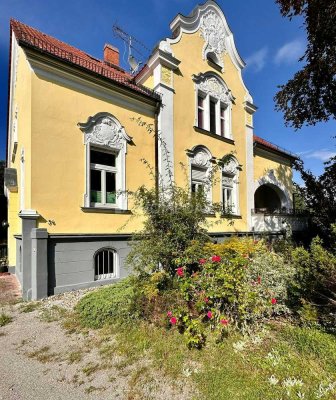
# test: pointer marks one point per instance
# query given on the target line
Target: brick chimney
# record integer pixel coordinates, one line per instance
(111, 54)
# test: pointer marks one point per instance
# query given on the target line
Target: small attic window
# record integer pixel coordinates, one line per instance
(214, 60)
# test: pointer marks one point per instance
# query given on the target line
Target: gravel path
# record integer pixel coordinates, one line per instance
(39, 360)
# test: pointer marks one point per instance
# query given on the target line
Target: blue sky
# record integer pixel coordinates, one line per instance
(270, 44)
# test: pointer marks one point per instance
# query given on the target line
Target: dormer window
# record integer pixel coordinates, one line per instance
(214, 104)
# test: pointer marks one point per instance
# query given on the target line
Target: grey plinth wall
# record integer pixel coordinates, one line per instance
(71, 260)
(51, 264)
(23, 266)
(39, 263)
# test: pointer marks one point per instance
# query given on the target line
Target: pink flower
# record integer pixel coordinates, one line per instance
(206, 300)
(173, 320)
(274, 301)
(169, 314)
(259, 280)
(209, 314)
(202, 261)
(180, 271)
(215, 258)
(224, 322)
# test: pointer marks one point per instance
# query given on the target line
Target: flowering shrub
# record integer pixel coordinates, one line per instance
(271, 276)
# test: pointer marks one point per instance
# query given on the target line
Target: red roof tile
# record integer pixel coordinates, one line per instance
(27, 35)
(273, 147)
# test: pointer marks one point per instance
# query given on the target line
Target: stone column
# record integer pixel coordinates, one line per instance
(39, 263)
(29, 220)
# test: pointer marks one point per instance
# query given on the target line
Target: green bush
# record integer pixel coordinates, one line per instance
(107, 305)
(314, 283)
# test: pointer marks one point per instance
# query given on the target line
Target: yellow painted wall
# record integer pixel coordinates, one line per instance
(21, 99)
(58, 164)
(189, 51)
(265, 161)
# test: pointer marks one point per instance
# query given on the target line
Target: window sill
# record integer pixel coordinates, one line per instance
(232, 216)
(105, 210)
(214, 135)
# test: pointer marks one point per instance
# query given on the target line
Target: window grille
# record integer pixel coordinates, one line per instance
(105, 264)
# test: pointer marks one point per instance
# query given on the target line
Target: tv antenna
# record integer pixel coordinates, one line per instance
(135, 48)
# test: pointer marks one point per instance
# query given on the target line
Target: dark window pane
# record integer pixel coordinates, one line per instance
(200, 118)
(110, 188)
(100, 157)
(212, 116)
(222, 127)
(200, 101)
(95, 186)
(193, 188)
(110, 265)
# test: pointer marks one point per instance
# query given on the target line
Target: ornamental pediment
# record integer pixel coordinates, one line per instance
(104, 130)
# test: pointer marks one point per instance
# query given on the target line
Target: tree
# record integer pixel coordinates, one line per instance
(309, 97)
(319, 194)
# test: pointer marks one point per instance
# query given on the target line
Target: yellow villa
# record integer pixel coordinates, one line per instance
(73, 145)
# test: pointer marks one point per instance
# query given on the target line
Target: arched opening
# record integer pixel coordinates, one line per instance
(105, 264)
(266, 198)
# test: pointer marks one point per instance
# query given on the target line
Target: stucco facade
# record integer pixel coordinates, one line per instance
(67, 110)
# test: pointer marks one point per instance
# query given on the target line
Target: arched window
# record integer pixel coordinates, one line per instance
(106, 147)
(213, 104)
(230, 187)
(106, 264)
(200, 169)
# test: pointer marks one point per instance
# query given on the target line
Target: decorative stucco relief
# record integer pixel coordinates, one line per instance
(230, 168)
(201, 159)
(166, 75)
(104, 131)
(211, 85)
(213, 33)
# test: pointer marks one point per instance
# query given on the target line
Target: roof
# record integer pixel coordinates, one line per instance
(273, 147)
(31, 37)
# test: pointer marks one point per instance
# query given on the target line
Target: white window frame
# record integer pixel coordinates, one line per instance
(204, 88)
(115, 274)
(104, 132)
(230, 172)
(103, 169)
(200, 157)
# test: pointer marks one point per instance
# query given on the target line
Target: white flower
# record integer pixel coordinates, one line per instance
(239, 346)
(273, 380)
(186, 372)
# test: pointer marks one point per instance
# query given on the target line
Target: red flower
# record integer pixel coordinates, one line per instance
(180, 271)
(202, 261)
(206, 300)
(209, 314)
(169, 314)
(259, 280)
(274, 301)
(173, 320)
(224, 322)
(215, 258)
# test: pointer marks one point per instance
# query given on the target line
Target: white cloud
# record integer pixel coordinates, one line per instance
(322, 154)
(290, 52)
(257, 60)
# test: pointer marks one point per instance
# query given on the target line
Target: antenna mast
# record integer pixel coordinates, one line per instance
(133, 46)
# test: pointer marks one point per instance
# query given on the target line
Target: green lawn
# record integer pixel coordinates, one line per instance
(282, 362)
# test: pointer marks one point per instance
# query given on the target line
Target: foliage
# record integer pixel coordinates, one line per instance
(235, 289)
(173, 219)
(314, 284)
(5, 319)
(107, 305)
(309, 96)
(319, 194)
